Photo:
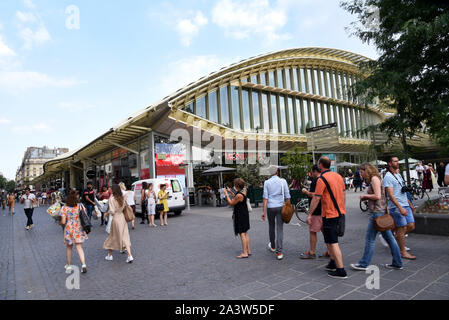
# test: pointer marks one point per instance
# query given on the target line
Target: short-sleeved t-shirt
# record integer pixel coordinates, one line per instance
(317, 211)
(337, 185)
(90, 194)
(396, 183)
(28, 200)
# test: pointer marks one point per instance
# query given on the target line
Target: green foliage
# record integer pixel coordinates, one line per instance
(8, 185)
(299, 163)
(251, 174)
(411, 76)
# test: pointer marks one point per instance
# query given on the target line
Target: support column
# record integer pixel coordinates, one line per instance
(151, 157)
(72, 178)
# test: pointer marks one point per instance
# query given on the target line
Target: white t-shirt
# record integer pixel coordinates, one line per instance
(129, 198)
(151, 197)
(28, 200)
(447, 170)
(419, 168)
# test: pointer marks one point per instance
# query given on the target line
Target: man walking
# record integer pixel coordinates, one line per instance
(420, 170)
(275, 193)
(89, 199)
(330, 189)
(399, 205)
(314, 219)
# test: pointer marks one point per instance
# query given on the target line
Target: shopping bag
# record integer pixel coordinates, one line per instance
(109, 224)
(97, 214)
(54, 210)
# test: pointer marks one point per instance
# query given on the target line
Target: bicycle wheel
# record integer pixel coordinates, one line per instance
(301, 212)
(364, 206)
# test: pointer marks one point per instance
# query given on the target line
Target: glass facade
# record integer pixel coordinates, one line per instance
(252, 110)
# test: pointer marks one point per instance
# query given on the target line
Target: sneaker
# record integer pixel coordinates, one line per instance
(383, 241)
(391, 266)
(130, 259)
(32, 226)
(122, 251)
(358, 267)
(279, 256)
(270, 248)
(109, 258)
(83, 268)
(68, 269)
(27, 227)
(330, 267)
(338, 275)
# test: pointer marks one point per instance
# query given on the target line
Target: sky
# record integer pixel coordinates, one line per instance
(70, 70)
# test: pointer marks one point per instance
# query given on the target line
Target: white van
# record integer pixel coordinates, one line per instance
(176, 199)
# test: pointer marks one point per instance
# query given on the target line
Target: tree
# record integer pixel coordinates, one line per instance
(299, 163)
(411, 76)
(251, 174)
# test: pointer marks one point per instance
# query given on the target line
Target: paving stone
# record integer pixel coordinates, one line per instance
(263, 294)
(312, 287)
(283, 286)
(293, 295)
(439, 288)
(357, 295)
(333, 292)
(391, 295)
(410, 287)
(427, 295)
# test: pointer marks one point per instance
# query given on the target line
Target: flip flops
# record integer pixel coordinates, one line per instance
(307, 255)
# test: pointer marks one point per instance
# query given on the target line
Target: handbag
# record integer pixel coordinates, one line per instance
(287, 208)
(84, 219)
(385, 222)
(248, 204)
(341, 224)
(129, 214)
(159, 207)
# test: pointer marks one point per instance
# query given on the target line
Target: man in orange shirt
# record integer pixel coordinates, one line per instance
(331, 214)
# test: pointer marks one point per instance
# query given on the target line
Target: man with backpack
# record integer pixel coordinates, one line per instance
(330, 189)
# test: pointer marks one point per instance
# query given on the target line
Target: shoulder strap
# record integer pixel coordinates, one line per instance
(331, 194)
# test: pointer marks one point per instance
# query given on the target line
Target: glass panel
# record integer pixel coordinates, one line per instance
(224, 103)
(329, 86)
(288, 84)
(213, 106)
(189, 107)
(266, 120)
(274, 114)
(291, 116)
(283, 114)
(271, 82)
(331, 115)
(201, 107)
(337, 89)
(341, 85)
(256, 116)
(309, 80)
(303, 80)
(319, 120)
(345, 86)
(312, 114)
(317, 84)
(235, 108)
(246, 113)
(246, 79)
(254, 79)
(337, 118)
(295, 79)
(298, 115)
(263, 79)
(343, 117)
(326, 116)
(350, 89)
(323, 85)
(176, 187)
(280, 79)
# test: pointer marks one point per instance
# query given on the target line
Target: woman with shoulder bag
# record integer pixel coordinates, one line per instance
(73, 232)
(241, 216)
(118, 238)
(152, 199)
(377, 205)
(163, 196)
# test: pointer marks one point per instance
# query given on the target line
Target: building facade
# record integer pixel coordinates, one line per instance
(33, 161)
(272, 98)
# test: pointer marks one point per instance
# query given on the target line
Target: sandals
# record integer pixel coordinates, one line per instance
(409, 257)
(307, 255)
(325, 255)
(242, 257)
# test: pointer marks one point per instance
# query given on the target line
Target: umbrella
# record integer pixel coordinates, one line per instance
(379, 163)
(346, 164)
(410, 160)
(219, 171)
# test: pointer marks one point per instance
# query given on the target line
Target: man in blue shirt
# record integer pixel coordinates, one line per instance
(399, 205)
(275, 193)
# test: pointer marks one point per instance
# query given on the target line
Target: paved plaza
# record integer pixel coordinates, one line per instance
(194, 258)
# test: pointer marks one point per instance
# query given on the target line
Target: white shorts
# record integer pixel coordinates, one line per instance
(151, 209)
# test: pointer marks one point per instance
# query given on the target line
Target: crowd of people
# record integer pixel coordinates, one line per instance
(386, 192)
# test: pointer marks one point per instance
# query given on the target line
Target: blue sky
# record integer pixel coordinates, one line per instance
(62, 84)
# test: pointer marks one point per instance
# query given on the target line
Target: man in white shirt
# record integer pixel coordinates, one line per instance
(419, 169)
(29, 200)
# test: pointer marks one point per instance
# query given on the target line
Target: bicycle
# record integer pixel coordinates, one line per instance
(364, 205)
(302, 209)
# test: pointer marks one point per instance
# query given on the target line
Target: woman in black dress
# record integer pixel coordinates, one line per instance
(241, 216)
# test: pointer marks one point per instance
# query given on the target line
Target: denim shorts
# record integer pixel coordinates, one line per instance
(399, 219)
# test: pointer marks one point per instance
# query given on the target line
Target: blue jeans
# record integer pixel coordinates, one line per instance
(370, 243)
(89, 209)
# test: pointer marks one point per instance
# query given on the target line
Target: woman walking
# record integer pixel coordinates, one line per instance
(376, 204)
(144, 202)
(241, 216)
(118, 238)
(11, 202)
(130, 199)
(104, 195)
(29, 200)
(73, 232)
(427, 181)
(152, 199)
(163, 196)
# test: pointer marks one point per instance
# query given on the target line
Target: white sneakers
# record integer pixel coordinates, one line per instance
(130, 259)
(68, 269)
(83, 268)
(279, 256)
(109, 258)
(270, 248)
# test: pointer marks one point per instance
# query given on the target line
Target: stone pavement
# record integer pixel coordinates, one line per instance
(194, 258)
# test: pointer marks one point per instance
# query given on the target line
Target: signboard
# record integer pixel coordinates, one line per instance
(169, 160)
(91, 174)
(322, 137)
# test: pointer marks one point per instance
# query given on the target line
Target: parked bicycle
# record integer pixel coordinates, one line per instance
(364, 206)
(301, 209)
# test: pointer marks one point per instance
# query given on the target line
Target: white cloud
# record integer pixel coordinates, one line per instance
(5, 51)
(76, 106)
(4, 121)
(29, 4)
(185, 71)
(188, 28)
(18, 81)
(37, 37)
(26, 129)
(242, 20)
(31, 26)
(26, 16)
